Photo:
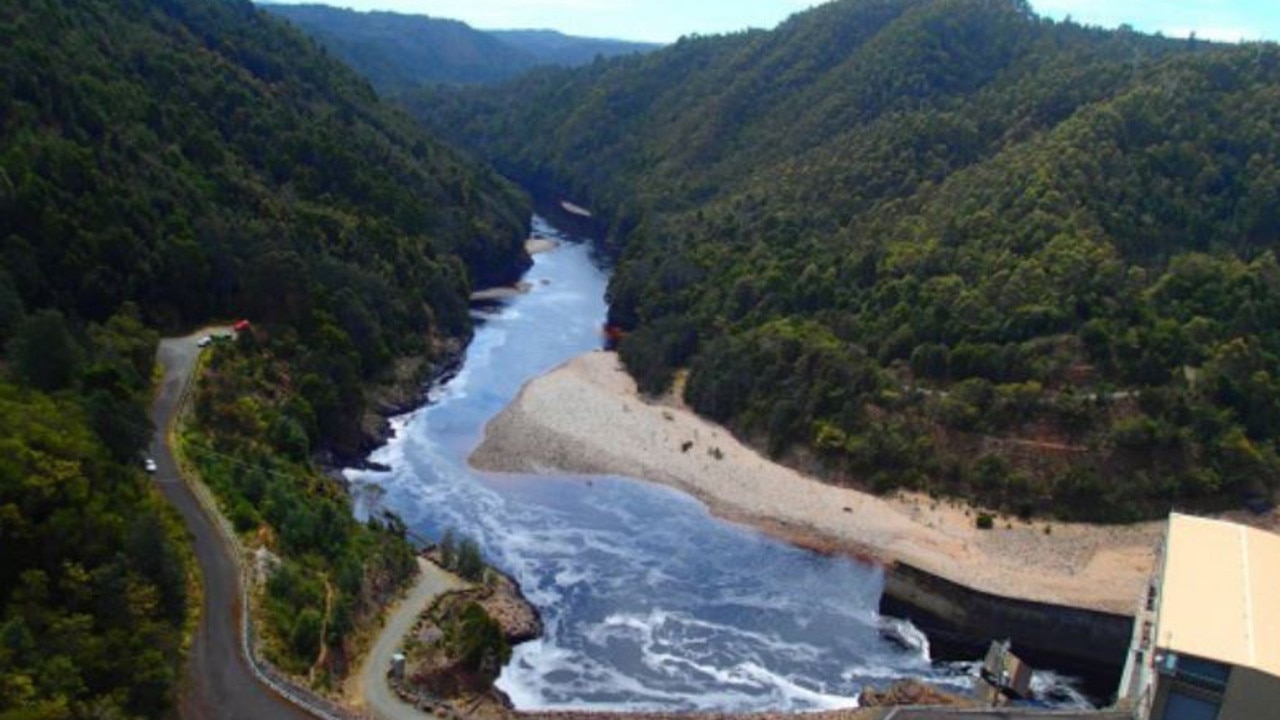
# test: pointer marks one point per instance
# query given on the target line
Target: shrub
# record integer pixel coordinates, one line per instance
(305, 638)
(470, 562)
(449, 549)
(478, 643)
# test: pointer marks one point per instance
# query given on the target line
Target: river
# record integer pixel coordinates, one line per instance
(649, 602)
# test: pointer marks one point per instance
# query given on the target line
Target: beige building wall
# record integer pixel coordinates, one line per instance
(1251, 695)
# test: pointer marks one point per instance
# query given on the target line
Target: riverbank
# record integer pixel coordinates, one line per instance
(535, 245)
(587, 417)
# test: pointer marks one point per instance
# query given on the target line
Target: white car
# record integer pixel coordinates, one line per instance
(150, 465)
(204, 341)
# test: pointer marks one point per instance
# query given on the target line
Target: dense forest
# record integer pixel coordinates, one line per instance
(328, 573)
(401, 52)
(95, 571)
(549, 47)
(942, 245)
(165, 163)
(203, 160)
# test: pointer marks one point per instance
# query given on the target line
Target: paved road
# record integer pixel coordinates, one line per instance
(218, 684)
(372, 686)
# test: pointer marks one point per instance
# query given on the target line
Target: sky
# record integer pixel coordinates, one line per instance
(667, 20)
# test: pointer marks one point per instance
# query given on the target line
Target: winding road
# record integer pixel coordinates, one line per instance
(218, 683)
(372, 689)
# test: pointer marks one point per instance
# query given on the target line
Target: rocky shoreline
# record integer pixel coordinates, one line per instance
(520, 619)
(407, 392)
(436, 680)
(413, 378)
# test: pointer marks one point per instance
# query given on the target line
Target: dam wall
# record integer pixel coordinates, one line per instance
(960, 623)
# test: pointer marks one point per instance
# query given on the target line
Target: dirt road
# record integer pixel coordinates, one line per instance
(372, 689)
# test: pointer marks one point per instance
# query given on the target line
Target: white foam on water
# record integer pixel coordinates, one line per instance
(1059, 689)
(649, 603)
(856, 673)
(479, 356)
(519, 679)
(562, 297)
(794, 650)
(570, 576)
(906, 634)
(799, 697)
(681, 667)
(688, 652)
(526, 681)
(508, 315)
(399, 423)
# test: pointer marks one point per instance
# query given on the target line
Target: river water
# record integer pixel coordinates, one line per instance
(649, 602)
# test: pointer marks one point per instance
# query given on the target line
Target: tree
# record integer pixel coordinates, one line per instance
(932, 361)
(470, 561)
(12, 312)
(305, 638)
(479, 643)
(43, 352)
(92, 567)
(449, 549)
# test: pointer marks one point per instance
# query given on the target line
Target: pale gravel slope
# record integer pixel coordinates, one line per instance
(587, 418)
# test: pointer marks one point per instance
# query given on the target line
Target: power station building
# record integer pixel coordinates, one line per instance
(1207, 639)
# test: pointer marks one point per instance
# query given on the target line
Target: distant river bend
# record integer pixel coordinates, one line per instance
(649, 602)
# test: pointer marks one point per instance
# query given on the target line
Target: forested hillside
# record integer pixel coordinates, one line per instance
(402, 52)
(94, 572)
(164, 163)
(549, 47)
(203, 160)
(938, 244)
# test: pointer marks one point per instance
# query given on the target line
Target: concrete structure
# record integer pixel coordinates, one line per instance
(961, 622)
(1003, 676)
(1207, 639)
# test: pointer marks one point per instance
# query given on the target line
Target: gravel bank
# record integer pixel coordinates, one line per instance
(586, 417)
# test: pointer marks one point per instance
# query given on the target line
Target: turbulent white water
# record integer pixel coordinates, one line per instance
(649, 602)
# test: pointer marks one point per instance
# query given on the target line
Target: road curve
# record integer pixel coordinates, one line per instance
(217, 683)
(378, 699)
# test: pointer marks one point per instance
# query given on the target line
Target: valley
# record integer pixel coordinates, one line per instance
(832, 352)
(919, 244)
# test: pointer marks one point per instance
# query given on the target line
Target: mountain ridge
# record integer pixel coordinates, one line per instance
(399, 52)
(900, 239)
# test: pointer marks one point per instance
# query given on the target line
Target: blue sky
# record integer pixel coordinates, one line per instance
(666, 20)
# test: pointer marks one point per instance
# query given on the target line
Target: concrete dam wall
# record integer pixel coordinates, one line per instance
(960, 622)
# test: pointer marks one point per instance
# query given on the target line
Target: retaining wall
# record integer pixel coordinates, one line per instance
(960, 622)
